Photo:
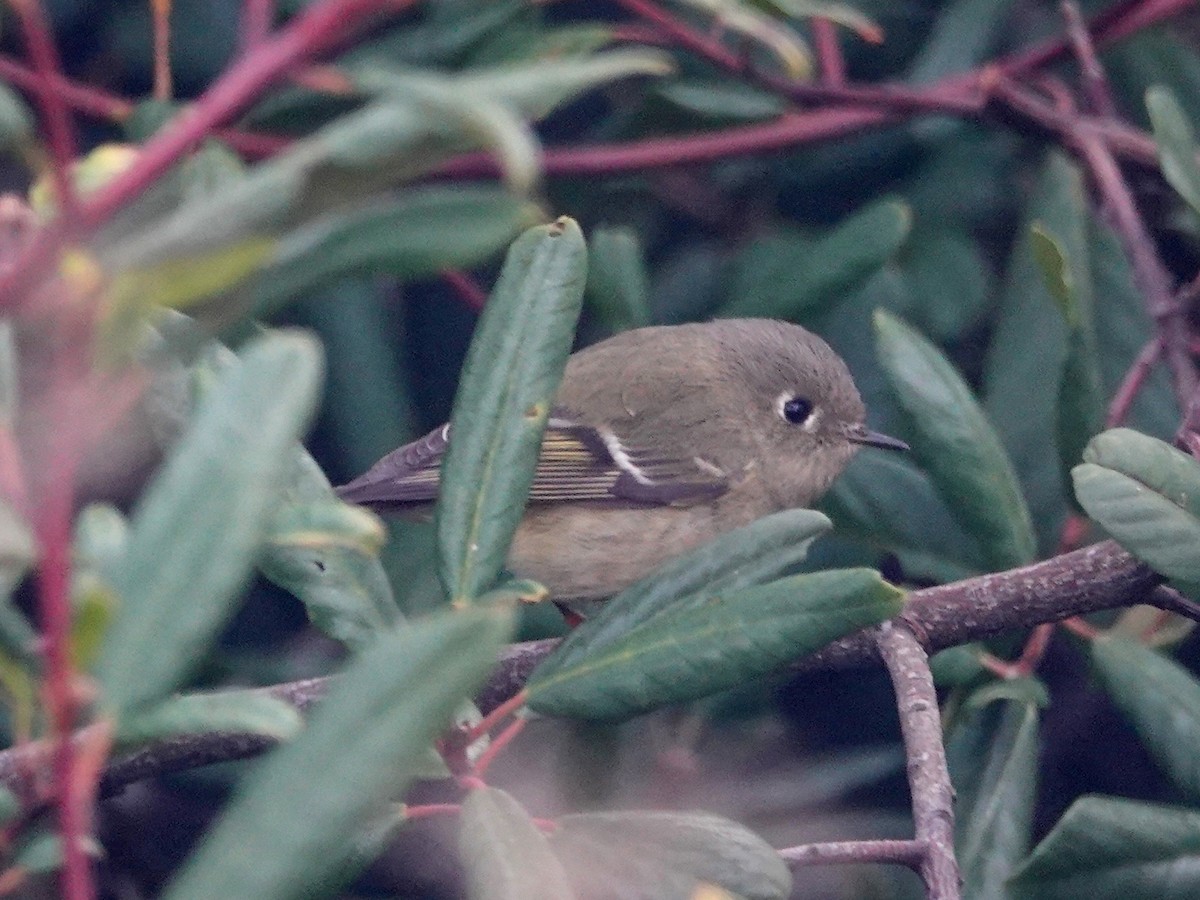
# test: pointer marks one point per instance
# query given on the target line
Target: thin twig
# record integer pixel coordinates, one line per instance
(903, 853)
(1095, 83)
(1131, 385)
(684, 35)
(60, 130)
(465, 288)
(163, 89)
(830, 61)
(258, 16)
(928, 777)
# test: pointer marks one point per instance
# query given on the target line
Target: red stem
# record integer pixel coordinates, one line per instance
(79, 97)
(427, 810)
(54, 582)
(499, 742)
(684, 35)
(493, 718)
(257, 18)
(466, 287)
(829, 53)
(60, 130)
(1131, 385)
(161, 11)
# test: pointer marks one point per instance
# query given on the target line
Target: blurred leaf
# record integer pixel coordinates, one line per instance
(136, 295)
(1176, 144)
(10, 806)
(964, 34)
(413, 234)
(947, 281)
(785, 275)
(1160, 698)
(1029, 345)
(667, 855)
(1080, 413)
(1146, 494)
(295, 822)
(840, 13)
(618, 288)
(886, 500)
(509, 379)
(517, 590)
(16, 122)
(326, 554)
(1109, 849)
(955, 444)
(17, 553)
(745, 557)
(993, 755)
(383, 144)
(505, 855)
(94, 603)
(715, 640)
(722, 101)
(235, 712)
(196, 530)
(1122, 328)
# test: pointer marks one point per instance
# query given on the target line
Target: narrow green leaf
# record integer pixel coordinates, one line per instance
(1176, 144)
(1146, 494)
(413, 234)
(16, 122)
(326, 554)
(1161, 699)
(618, 288)
(963, 35)
(1028, 349)
(667, 855)
(955, 444)
(508, 383)
(1080, 413)
(1109, 849)
(197, 529)
(887, 501)
(238, 712)
(506, 856)
(993, 765)
(294, 824)
(714, 641)
(722, 101)
(788, 275)
(948, 281)
(745, 557)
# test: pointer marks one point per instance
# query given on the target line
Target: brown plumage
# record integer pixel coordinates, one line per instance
(661, 439)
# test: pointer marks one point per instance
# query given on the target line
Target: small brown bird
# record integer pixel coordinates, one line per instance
(661, 439)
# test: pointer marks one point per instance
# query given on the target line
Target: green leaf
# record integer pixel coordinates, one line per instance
(1028, 349)
(1161, 699)
(963, 35)
(197, 530)
(326, 554)
(1079, 393)
(413, 234)
(947, 279)
(745, 557)
(716, 640)
(1146, 494)
(237, 712)
(16, 122)
(953, 441)
(618, 288)
(508, 383)
(887, 501)
(1176, 144)
(787, 275)
(1109, 849)
(17, 553)
(667, 855)
(722, 101)
(294, 824)
(506, 856)
(993, 765)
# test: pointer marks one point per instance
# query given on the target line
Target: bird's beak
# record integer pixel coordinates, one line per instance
(860, 434)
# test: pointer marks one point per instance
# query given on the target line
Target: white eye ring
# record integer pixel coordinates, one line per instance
(797, 410)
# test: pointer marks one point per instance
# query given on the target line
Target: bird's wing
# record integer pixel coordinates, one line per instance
(578, 462)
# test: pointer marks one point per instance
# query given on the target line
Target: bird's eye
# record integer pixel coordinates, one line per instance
(796, 410)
